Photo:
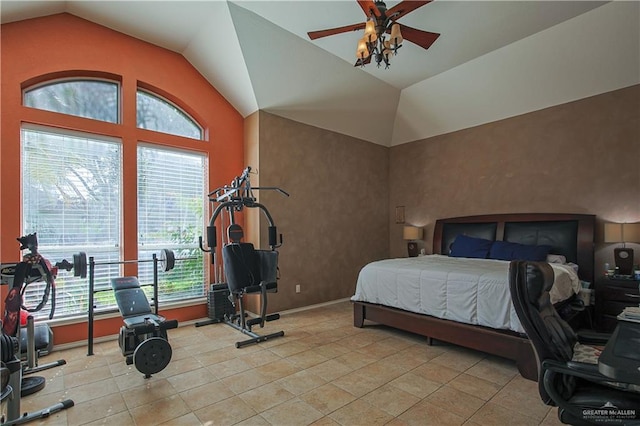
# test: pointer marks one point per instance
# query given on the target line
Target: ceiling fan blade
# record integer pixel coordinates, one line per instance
(368, 7)
(423, 39)
(333, 31)
(405, 7)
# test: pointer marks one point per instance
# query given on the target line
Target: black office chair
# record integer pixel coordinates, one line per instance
(570, 382)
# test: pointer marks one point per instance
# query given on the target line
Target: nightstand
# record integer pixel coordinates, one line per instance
(612, 296)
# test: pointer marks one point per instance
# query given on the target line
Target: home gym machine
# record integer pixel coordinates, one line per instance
(18, 276)
(247, 270)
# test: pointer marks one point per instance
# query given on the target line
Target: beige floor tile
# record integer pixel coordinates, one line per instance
(266, 396)
(206, 394)
(436, 373)
(475, 386)
(460, 359)
(358, 383)
(391, 399)
(522, 394)
(90, 411)
(149, 392)
(330, 370)
(360, 412)
(415, 384)
(227, 412)
(425, 413)
(191, 379)
(493, 414)
(277, 369)
(160, 411)
(294, 412)
(492, 371)
(301, 382)
(228, 368)
(245, 381)
(86, 376)
(189, 419)
(258, 358)
(327, 398)
(92, 391)
(455, 401)
(123, 418)
(256, 420)
(307, 359)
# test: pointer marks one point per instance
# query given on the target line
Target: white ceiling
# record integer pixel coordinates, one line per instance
(257, 53)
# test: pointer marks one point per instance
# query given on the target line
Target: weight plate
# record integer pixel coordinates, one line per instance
(31, 384)
(80, 265)
(167, 259)
(152, 355)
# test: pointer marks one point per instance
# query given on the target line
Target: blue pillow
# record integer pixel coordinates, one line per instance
(504, 250)
(464, 246)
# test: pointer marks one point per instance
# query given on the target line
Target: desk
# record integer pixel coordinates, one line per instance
(620, 358)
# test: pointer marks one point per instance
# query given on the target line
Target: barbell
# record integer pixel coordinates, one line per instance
(167, 261)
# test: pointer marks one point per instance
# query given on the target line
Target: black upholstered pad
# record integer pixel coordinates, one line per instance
(131, 300)
(562, 236)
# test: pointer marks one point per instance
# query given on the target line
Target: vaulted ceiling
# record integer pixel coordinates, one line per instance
(258, 54)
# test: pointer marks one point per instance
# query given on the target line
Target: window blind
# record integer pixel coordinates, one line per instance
(171, 202)
(71, 199)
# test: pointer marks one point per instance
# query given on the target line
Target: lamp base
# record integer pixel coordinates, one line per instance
(624, 260)
(412, 248)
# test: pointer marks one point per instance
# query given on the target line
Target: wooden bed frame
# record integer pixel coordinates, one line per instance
(504, 343)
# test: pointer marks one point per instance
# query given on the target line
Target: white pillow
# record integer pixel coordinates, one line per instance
(556, 258)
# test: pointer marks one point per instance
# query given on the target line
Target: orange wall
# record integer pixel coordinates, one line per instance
(64, 45)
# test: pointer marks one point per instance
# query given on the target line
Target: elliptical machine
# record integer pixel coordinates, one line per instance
(247, 270)
(33, 268)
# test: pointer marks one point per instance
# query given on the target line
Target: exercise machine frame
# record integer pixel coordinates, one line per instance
(230, 199)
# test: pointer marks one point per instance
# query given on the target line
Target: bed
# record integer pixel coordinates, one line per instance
(409, 293)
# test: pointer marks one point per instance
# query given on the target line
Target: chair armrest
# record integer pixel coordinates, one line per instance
(590, 337)
(577, 369)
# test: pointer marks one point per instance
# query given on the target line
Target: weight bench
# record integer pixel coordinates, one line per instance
(143, 339)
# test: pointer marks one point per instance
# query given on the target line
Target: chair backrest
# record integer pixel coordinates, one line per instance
(241, 266)
(551, 336)
(130, 298)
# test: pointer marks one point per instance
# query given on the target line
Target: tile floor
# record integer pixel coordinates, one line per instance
(323, 371)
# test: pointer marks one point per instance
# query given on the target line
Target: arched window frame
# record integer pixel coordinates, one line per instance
(51, 80)
(154, 93)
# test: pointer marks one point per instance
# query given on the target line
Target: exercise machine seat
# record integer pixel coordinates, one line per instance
(133, 303)
(248, 269)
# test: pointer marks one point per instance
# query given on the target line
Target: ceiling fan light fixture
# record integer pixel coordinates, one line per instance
(396, 35)
(362, 51)
(370, 31)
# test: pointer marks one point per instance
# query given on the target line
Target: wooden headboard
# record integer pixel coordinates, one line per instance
(571, 235)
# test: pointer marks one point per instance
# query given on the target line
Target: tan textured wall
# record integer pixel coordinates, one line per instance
(335, 220)
(579, 157)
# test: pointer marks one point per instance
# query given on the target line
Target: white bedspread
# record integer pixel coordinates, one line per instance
(472, 291)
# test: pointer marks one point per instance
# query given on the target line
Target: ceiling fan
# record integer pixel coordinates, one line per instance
(380, 22)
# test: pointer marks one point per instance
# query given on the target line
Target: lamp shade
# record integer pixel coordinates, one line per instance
(370, 31)
(396, 35)
(631, 232)
(412, 233)
(622, 232)
(612, 232)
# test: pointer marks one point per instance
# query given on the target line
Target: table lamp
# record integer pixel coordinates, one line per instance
(412, 234)
(622, 233)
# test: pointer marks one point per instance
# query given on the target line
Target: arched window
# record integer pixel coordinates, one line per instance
(95, 99)
(74, 183)
(156, 113)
